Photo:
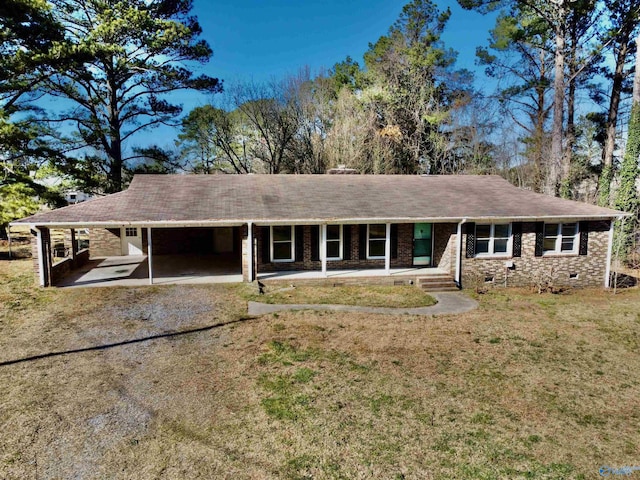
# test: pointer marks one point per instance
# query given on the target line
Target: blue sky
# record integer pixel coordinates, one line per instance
(260, 40)
(273, 38)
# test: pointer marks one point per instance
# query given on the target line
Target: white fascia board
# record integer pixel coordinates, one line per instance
(489, 219)
(552, 218)
(314, 221)
(165, 224)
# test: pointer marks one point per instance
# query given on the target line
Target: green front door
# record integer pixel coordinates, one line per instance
(422, 243)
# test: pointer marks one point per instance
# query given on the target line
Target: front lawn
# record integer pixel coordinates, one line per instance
(176, 382)
(396, 296)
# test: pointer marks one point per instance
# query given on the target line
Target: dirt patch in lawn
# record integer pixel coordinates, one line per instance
(396, 296)
(526, 386)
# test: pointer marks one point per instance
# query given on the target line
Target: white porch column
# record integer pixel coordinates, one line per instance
(150, 255)
(387, 249)
(607, 270)
(250, 251)
(458, 278)
(323, 248)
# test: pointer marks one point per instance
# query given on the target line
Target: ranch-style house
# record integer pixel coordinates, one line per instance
(337, 228)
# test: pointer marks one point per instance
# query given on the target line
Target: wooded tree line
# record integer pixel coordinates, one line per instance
(554, 119)
(555, 122)
(402, 111)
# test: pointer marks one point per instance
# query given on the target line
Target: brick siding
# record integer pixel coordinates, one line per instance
(35, 259)
(529, 269)
(444, 246)
(244, 241)
(105, 242)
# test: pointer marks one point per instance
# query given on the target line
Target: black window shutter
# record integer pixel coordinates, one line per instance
(539, 238)
(346, 242)
(315, 243)
(299, 229)
(394, 240)
(471, 239)
(516, 229)
(584, 238)
(362, 243)
(266, 245)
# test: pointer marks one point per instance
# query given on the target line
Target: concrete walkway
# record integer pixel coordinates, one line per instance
(448, 303)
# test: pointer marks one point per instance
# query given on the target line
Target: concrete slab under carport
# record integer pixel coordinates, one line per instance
(133, 270)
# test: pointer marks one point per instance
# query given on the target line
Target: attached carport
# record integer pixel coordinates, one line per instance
(197, 253)
(133, 254)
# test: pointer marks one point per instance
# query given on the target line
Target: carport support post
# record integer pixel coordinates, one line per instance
(74, 244)
(250, 252)
(41, 262)
(387, 249)
(607, 270)
(70, 244)
(150, 255)
(323, 248)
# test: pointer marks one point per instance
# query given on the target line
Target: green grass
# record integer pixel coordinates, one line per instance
(396, 296)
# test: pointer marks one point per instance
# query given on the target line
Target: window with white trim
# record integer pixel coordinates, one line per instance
(282, 243)
(376, 240)
(131, 232)
(560, 238)
(334, 242)
(493, 239)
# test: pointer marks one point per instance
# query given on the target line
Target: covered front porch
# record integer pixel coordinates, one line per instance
(337, 275)
(133, 270)
(322, 253)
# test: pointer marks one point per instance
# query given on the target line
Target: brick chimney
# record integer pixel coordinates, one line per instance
(342, 170)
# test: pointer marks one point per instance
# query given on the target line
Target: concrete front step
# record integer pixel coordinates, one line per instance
(435, 278)
(437, 283)
(450, 288)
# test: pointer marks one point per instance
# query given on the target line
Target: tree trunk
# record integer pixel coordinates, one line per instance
(556, 167)
(540, 139)
(570, 138)
(114, 177)
(604, 189)
(636, 77)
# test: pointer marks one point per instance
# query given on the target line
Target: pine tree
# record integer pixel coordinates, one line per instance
(139, 51)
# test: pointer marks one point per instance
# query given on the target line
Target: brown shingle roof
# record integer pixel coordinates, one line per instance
(297, 198)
